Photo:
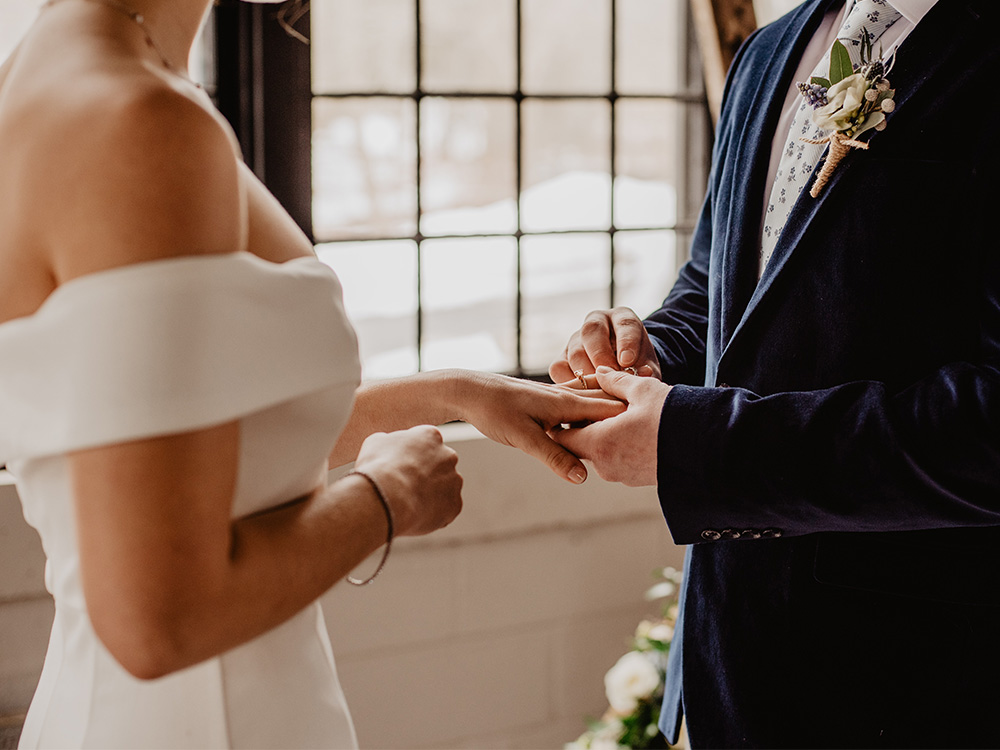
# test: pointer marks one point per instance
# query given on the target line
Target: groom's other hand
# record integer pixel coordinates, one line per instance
(609, 338)
(622, 448)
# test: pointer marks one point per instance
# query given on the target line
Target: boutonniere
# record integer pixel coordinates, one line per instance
(848, 102)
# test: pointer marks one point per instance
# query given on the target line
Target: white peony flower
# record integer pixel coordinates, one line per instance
(844, 99)
(661, 590)
(662, 633)
(633, 677)
(643, 628)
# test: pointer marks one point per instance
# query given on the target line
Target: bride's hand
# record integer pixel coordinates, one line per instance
(519, 413)
(418, 473)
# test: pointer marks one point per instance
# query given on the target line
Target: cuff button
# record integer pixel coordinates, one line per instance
(711, 535)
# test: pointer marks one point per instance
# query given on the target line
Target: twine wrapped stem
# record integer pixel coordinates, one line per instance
(840, 146)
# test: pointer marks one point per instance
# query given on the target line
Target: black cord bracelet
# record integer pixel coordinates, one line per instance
(388, 539)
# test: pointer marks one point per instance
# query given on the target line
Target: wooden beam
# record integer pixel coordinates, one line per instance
(720, 27)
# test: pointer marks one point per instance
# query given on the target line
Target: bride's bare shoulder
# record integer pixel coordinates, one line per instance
(120, 164)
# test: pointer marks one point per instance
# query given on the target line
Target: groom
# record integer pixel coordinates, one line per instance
(823, 420)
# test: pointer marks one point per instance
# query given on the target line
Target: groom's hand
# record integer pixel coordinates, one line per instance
(622, 448)
(610, 338)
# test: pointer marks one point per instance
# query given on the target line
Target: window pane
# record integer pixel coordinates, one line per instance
(468, 181)
(363, 45)
(567, 46)
(364, 168)
(469, 45)
(649, 162)
(563, 277)
(645, 269)
(651, 46)
(380, 294)
(15, 18)
(470, 303)
(566, 165)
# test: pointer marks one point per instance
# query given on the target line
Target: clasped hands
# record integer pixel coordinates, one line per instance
(623, 447)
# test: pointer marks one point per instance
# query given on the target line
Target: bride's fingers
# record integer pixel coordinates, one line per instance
(588, 385)
(557, 458)
(581, 382)
(594, 406)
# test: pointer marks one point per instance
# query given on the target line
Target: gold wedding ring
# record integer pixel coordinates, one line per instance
(581, 378)
(630, 370)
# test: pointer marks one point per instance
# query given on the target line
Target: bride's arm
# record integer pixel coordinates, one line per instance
(513, 412)
(170, 580)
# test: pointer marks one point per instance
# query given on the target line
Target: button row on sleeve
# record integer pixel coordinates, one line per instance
(713, 535)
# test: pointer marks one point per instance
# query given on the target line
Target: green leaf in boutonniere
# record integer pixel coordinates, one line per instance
(840, 62)
(820, 81)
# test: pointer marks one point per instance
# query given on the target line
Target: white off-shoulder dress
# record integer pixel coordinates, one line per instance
(154, 349)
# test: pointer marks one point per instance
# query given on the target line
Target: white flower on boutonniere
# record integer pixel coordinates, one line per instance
(848, 103)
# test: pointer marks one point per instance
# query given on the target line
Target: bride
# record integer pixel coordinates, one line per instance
(176, 374)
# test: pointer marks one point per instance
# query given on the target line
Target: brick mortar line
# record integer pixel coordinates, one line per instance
(424, 544)
(25, 598)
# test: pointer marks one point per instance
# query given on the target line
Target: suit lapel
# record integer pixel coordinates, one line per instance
(934, 42)
(751, 155)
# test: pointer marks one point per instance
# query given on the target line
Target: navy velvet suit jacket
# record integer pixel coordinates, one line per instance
(831, 450)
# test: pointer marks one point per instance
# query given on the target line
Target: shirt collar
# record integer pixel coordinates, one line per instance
(913, 10)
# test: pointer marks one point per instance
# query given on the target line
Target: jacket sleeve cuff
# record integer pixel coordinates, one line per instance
(700, 502)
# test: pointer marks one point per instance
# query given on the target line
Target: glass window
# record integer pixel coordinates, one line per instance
(469, 45)
(468, 176)
(649, 164)
(645, 63)
(364, 168)
(564, 277)
(646, 264)
(566, 164)
(469, 287)
(364, 45)
(567, 46)
(485, 174)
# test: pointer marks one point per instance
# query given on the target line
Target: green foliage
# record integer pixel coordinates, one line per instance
(640, 730)
(840, 63)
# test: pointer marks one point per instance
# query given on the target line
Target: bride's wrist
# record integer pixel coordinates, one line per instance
(455, 391)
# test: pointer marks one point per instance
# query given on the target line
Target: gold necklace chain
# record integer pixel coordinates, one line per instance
(140, 20)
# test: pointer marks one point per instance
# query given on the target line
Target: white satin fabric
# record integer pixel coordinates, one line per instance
(159, 348)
